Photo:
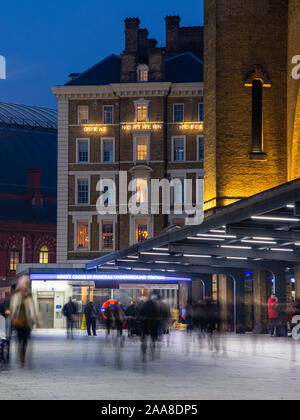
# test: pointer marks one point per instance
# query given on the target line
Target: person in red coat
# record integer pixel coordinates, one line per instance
(273, 315)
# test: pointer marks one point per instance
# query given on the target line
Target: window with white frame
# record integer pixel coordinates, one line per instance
(82, 150)
(108, 114)
(110, 200)
(141, 110)
(107, 150)
(83, 114)
(141, 148)
(200, 112)
(142, 73)
(141, 190)
(178, 112)
(82, 191)
(200, 148)
(107, 239)
(178, 190)
(178, 149)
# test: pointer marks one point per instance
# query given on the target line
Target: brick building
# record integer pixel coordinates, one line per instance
(27, 188)
(140, 113)
(252, 114)
(251, 102)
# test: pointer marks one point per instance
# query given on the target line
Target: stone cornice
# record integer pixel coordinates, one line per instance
(128, 90)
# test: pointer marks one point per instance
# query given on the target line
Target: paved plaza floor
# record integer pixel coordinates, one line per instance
(233, 367)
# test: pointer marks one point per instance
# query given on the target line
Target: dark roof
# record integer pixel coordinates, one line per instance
(27, 116)
(23, 211)
(22, 149)
(103, 73)
(185, 67)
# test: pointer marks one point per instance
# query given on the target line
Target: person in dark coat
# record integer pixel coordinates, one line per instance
(109, 319)
(130, 314)
(91, 315)
(119, 317)
(149, 315)
(70, 311)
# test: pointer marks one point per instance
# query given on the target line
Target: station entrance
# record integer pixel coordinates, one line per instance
(52, 291)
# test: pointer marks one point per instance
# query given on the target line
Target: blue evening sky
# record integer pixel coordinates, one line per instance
(44, 41)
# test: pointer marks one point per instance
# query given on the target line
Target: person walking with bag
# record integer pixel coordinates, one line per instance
(23, 315)
(70, 312)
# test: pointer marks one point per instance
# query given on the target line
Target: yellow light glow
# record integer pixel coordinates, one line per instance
(95, 129)
(191, 126)
(140, 127)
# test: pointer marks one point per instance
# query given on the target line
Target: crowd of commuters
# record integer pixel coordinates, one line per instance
(149, 319)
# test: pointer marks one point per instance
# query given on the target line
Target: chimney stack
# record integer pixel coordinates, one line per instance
(132, 34)
(172, 33)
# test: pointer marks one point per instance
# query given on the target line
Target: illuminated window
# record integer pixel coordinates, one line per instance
(142, 73)
(107, 150)
(83, 114)
(82, 235)
(178, 149)
(141, 148)
(178, 112)
(107, 235)
(83, 151)
(141, 112)
(141, 190)
(200, 112)
(200, 148)
(14, 259)
(82, 191)
(44, 255)
(141, 230)
(108, 114)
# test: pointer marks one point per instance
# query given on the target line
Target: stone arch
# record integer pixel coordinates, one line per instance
(50, 242)
(257, 73)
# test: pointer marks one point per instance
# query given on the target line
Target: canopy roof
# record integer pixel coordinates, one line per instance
(27, 116)
(260, 232)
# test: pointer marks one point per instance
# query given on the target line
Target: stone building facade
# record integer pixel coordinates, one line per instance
(140, 114)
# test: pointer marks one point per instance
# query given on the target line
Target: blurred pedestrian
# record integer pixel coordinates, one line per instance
(4, 333)
(272, 312)
(91, 315)
(70, 311)
(149, 315)
(119, 317)
(189, 316)
(23, 315)
(130, 314)
(109, 319)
